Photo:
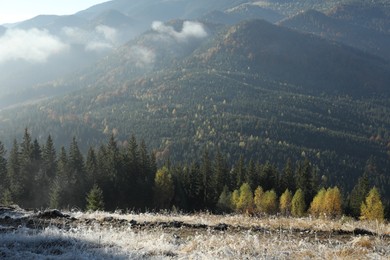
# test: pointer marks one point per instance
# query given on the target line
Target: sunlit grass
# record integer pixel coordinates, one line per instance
(277, 238)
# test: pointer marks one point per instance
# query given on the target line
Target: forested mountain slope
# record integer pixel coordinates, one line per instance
(243, 92)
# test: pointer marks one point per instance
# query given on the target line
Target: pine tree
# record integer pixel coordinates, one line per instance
(298, 204)
(372, 207)
(95, 199)
(285, 203)
(163, 188)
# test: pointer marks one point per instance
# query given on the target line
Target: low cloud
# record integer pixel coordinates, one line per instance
(100, 39)
(190, 30)
(33, 45)
(143, 57)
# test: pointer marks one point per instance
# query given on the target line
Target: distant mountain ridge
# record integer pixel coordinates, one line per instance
(219, 82)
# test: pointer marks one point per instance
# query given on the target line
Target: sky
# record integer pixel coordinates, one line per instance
(12, 11)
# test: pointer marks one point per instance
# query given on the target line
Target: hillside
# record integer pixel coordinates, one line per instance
(340, 30)
(243, 90)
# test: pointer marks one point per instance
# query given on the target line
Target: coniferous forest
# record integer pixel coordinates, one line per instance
(127, 177)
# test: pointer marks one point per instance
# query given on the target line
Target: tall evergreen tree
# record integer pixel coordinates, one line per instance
(208, 195)
(95, 200)
(358, 194)
(220, 172)
(27, 171)
(163, 188)
(3, 171)
(305, 180)
(60, 191)
(287, 180)
(49, 159)
(13, 172)
(77, 175)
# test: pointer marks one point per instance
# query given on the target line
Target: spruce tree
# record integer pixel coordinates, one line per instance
(224, 203)
(95, 199)
(77, 175)
(60, 190)
(13, 173)
(358, 194)
(3, 171)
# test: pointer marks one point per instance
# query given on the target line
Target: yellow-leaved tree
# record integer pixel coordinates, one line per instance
(316, 206)
(285, 203)
(332, 203)
(372, 207)
(269, 202)
(257, 199)
(245, 201)
(298, 204)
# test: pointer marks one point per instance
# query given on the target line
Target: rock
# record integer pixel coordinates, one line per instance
(50, 214)
(221, 227)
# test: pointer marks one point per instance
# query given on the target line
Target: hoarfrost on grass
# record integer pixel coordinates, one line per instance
(276, 238)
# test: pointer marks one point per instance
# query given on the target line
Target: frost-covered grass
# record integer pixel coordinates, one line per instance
(278, 240)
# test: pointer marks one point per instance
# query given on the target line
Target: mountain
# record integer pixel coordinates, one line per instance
(251, 88)
(373, 15)
(342, 31)
(241, 13)
(300, 59)
(52, 23)
(151, 10)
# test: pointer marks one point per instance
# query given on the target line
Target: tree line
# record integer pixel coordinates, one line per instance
(114, 177)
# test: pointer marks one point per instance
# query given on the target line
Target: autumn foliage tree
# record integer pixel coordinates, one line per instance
(372, 207)
(285, 203)
(298, 204)
(327, 203)
(245, 200)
